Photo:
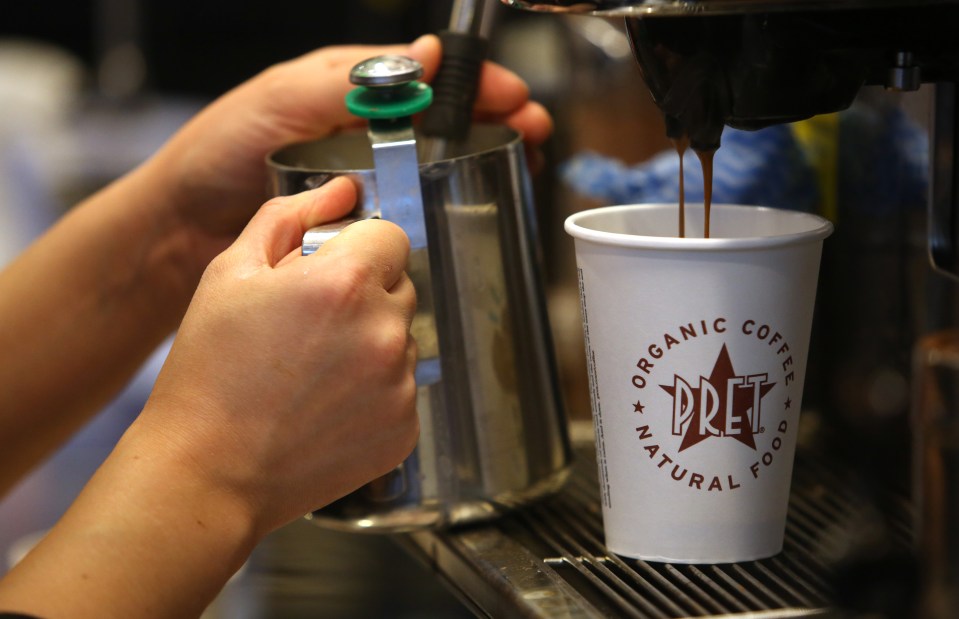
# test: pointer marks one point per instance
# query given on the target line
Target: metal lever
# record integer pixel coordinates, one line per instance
(388, 96)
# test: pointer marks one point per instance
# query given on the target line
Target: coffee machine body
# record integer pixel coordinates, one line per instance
(749, 64)
(753, 63)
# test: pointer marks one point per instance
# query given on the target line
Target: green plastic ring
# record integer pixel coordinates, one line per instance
(389, 102)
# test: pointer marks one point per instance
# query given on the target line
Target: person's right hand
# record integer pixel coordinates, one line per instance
(290, 382)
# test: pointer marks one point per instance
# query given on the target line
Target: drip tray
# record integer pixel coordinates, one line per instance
(549, 560)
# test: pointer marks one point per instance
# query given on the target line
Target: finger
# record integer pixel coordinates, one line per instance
(502, 96)
(277, 228)
(531, 120)
(427, 50)
(379, 249)
(500, 90)
(295, 253)
(535, 124)
(306, 95)
(405, 295)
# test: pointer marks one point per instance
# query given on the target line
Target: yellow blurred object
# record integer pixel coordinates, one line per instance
(819, 137)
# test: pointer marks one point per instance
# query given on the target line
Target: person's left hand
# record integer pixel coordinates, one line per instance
(214, 168)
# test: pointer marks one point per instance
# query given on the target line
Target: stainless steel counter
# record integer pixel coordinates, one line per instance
(549, 560)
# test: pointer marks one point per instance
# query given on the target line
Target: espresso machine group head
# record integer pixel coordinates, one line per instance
(749, 64)
(753, 63)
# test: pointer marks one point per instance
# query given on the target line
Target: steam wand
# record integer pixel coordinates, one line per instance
(465, 46)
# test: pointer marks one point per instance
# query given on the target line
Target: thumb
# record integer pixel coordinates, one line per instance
(278, 227)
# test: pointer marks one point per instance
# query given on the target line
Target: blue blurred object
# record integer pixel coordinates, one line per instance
(883, 161)
(765, 167)
(772, 167)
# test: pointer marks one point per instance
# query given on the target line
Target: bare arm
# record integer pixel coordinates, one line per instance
(79, 311)
(82, 308)
(289, 384)
(231, 444)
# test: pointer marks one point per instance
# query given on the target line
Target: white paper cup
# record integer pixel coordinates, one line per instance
(696, 351)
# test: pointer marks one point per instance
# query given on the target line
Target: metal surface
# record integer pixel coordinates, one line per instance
(944, 194)
(640, 8)
(549, 560)
(385, 71)
(314, 238)
(492, 429)
(401, 201)
(394, 148)
(753, 63)
(472, 17)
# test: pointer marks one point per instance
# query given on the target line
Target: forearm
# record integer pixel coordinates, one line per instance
(80, 310)
(148, 537)
(231, 445)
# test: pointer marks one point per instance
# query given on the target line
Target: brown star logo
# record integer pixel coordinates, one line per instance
(743, 399)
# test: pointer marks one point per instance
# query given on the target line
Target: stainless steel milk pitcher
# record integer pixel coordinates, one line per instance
(492, 427)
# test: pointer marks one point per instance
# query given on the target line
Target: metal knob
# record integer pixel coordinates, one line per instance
(386, 71)
(904, 75)
(387, 89)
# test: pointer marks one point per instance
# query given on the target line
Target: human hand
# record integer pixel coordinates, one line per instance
(215, 167)
(290, 382)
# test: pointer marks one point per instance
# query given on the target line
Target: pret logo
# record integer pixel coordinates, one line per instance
(684, 412)
(725, 404)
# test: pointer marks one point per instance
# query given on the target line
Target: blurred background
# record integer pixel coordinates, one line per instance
(90, 88)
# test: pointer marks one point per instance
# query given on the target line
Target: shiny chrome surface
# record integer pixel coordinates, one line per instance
(640, 8)
(944, 194)
(386, 71)
(395, 162)
(472, 17)
(314, 238)
(492, 429)
(549, 560)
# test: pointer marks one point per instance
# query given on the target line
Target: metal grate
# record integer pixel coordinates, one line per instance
(570, 529)
(549, 560)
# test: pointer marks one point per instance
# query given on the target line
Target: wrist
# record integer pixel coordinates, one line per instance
(168, 243)
(176, 486)
(146, 537)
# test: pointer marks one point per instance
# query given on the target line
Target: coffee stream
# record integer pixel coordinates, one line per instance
(681, 145)
(685, 63)
(706, 160)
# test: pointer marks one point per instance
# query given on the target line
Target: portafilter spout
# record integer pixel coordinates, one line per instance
(753, 63)
(659, 8)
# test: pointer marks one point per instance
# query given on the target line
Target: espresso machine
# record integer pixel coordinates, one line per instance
(854, 544)
(753, 63)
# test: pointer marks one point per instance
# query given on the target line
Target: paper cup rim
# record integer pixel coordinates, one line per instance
(818, 228)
